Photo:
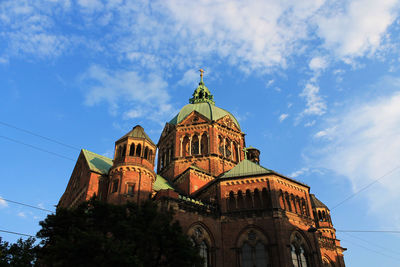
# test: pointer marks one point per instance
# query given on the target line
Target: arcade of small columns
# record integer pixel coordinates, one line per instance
(261, 198)
(135, 150)
(199, 144)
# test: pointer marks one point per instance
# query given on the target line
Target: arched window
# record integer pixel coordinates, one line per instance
(185, 146)
(298, 251)
(124, 150)
(118, 154)
(151, 155)
(323, 216)
(232, 201)
(235, 152)
(204, 253)
(319, 216)
(195, 145)
(240, 200)
(253, 250)
(247, 260)
(204, 144)
(228, 149)
(202, 240)
(138, 150)
(289, 207)
(265, 198)
(257, 199)
(221, 148)
(132, 150)
(249, 199)
(146, 152)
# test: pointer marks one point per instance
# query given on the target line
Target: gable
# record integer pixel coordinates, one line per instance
(194, 118)
(228, 122)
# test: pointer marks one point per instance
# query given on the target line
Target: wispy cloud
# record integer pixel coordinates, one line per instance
(315, 104)
(21, 214)
(299, 172)
(363, 144)
(177, 34)
(283, 116)
(358, 28)
(148, 91)
(3, 203)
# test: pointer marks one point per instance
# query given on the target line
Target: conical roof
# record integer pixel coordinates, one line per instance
(316, 203)
(137, 132)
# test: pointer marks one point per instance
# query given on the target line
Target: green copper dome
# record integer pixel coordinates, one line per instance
(208, 110)
(203, 102)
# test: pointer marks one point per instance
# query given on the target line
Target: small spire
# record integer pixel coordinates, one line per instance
(201, 75)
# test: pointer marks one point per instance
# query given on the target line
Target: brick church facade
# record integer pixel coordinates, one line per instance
(236, 211)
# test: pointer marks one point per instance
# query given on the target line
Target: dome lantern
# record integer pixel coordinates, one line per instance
(202, 94)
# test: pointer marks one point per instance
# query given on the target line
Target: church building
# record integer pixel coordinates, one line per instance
(239, 213)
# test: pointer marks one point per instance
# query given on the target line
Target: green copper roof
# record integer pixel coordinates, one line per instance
(316, 203)
(202, 94)
(138, 132)
(246, 168)
(208, 110)
(97, 163)
(161, 183)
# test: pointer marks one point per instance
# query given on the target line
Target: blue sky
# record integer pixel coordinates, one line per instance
(315, 85)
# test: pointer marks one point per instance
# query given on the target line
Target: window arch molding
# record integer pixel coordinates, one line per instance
(204, 240)
(252, 247)
(300, 250)
(327, 262)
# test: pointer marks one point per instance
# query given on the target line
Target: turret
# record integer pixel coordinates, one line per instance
(132, 174)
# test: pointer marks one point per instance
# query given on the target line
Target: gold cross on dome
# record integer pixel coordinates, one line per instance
(201, 74)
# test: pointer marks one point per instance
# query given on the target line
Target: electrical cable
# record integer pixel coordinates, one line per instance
(35, 147)
(374, 244)
(26, 205)
(365, 187)
(16, 233)
(377, 252)
(38, 135)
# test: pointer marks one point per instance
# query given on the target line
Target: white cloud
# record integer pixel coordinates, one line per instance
(3, 203)
(190, 77)
(363, 144)
(255, 35)
(299, 172)
(315, 105)
(269, 83)
(283, 116)
(310, 123)
(318, 63)
(149, 92)
(21, 214)
(358, 28)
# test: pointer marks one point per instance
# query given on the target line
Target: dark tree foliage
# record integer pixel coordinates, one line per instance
(20, 254)
(101, 234)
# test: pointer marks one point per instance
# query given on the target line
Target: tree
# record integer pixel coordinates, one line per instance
(101, 234)
(20, 254)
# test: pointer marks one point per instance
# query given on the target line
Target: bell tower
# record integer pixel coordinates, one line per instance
(132, 175)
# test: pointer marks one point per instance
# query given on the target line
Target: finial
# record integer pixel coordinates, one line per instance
(201, 75)
(245, 152)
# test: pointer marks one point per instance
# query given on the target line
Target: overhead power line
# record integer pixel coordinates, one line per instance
(38, 135)
(15, 233)
(26, 205)
(372, 250)
(35, 147)
(366, 187)
(369, 231)
(374, 244)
